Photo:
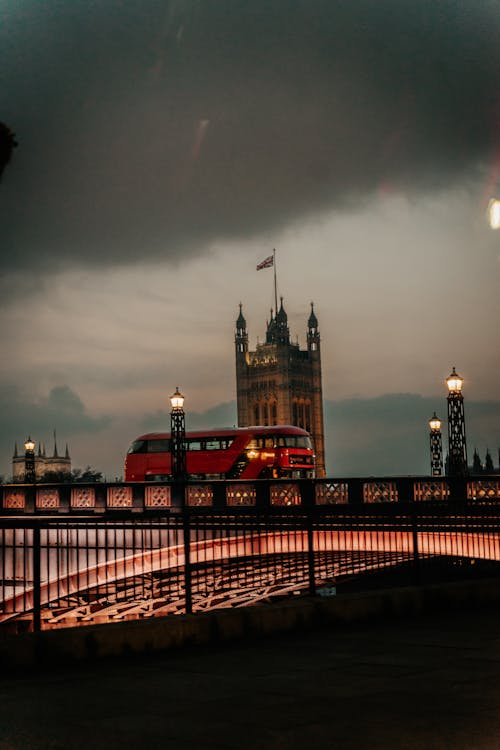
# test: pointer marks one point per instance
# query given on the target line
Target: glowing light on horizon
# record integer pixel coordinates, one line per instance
(494, 213)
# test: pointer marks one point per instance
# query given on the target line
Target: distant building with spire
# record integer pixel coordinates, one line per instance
(279, 383)
(44, 464)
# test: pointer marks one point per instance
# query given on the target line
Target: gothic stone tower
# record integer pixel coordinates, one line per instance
(43, 464)
(279, 383)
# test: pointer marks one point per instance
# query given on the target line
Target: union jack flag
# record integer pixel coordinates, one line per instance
(267, 263)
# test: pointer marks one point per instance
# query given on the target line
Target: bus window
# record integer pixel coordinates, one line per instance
(194, 445)
(158, 446)
(264, 441)
(300, 441)
(212, 445)
(138, 446)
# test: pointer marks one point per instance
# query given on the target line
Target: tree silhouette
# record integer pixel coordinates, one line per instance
(55, 477)
(87, 475)
(477, 467)
(77, 475)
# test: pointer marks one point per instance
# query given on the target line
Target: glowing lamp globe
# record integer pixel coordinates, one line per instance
(454, 382)
(435, 423)
(177, 400)
(29, 445)
(494, 213)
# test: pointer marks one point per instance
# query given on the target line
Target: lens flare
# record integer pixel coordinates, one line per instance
(494, 213)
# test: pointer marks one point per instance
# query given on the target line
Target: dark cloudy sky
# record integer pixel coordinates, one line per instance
(166, 147)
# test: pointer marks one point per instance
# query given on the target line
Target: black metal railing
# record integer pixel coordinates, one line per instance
(98, 498)
(69, 565)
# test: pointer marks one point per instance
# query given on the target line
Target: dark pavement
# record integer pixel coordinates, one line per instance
(430, 683)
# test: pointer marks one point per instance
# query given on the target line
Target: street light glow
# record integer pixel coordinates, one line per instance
(435, 422)
(454, 382)
(29, 445)
(494, 213)
(177, 399)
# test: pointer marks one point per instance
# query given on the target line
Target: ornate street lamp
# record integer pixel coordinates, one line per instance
(436, 446)
(177, 436)
(494, 213)
(179, 475)
(29, 461)
(457, 447)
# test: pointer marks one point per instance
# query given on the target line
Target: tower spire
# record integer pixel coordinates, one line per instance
(313, 337)
(241, 335)
(56, 455)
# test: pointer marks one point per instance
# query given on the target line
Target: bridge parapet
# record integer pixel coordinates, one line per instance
(100, 498)
(73, 555)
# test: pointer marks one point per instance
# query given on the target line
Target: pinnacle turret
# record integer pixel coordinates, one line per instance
(277, 328)
(241, 335)
(313, 331)
(313, 321)
(281, 317)
(240, 320)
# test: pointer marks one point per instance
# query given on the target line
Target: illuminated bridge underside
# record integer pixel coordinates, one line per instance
(229, 572)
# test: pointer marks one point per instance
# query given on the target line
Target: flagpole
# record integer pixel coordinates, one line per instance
(275, 286)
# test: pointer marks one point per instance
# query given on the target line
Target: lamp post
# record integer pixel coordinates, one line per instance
(177, 436)
(457, 447)
(436, 446)
(29, 461)
(179, 476)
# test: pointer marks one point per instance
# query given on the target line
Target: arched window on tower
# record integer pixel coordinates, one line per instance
(308, 416)
(274, 413)
(295, 415)
(298, 412)
(256, 414)
(265, 414)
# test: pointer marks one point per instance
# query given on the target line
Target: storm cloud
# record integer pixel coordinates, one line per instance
(150, 130)
(61, 410)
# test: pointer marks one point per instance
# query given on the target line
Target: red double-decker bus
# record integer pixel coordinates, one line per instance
(238, 453)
